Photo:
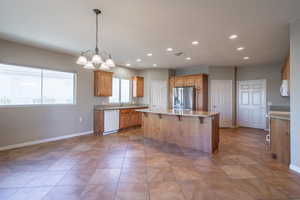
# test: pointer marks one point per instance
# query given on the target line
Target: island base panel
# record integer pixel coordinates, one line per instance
(190, 132)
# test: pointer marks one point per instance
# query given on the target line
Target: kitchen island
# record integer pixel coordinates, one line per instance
(191, 129)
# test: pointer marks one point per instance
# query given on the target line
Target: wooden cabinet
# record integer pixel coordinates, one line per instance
(170, 88)
(286, 69)
(98, 122)
(130, 118)
(199, 81)
(280, 140)
(138, 86)
(102, 83)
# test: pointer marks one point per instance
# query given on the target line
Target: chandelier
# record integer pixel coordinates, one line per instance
(90, 59)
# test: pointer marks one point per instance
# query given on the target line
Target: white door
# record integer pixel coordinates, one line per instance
(111, 121)
(159, 94)
(252, 104)
(221, 100)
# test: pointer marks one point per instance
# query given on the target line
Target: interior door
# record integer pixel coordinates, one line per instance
(252, 104)
(221, 100)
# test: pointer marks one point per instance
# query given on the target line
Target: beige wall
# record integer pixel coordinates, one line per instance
(295, 94)
(152, 74)
(24, 124)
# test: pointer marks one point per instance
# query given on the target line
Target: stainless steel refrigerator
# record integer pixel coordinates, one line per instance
(184, 98)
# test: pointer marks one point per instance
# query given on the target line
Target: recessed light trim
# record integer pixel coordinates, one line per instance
(154, 65)
(246, 58)
(188, 58)
(240, 48)
(138, 60)
(169, 49)
(234, 36)
(195, 43)
(128, 65)
(149, 54)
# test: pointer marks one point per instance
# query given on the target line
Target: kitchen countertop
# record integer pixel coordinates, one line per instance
(279, 115)
(118, 107)
(190, 113)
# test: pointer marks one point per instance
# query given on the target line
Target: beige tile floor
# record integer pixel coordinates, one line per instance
(127, 166)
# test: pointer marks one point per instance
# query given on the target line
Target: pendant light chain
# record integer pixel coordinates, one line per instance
(97, 49)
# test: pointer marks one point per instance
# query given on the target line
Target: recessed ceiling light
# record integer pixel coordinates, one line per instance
(232, 37)
(138, 60)
(149, 54)
(240, 48)
(195, 43)
(188, 58)
(246, 58)
(128, 65)
(154, 65)
(169, 49)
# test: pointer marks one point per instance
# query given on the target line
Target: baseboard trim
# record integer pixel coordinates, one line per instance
(14, 146)
(295, 168)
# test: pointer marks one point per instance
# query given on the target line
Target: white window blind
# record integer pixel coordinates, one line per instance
(121, 92)
(31, 86)
(115, 91)
(125, 91)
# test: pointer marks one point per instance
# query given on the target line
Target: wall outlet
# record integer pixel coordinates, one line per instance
(80, 119)
(269, 103)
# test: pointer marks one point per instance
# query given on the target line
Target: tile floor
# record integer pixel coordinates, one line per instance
(127, 166)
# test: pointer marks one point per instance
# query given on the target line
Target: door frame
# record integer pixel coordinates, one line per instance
(238, 99)
(231, 101)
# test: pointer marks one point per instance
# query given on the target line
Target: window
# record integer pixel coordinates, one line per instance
(121, 91)
(31, 86)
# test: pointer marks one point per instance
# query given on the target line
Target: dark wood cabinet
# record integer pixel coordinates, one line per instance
(102, 83)
(138, 86)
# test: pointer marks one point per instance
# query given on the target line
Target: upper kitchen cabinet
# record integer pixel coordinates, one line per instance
(102, 83)
(286, 70)
(138, 86)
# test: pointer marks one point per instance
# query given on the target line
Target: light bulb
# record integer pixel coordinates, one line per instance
(104, 67)
(109, 62)
(97, 59)
(82, 60)
(89, 65)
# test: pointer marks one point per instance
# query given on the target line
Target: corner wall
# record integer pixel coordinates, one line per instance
(295, 94)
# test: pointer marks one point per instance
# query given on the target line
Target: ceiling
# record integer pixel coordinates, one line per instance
(133, 28)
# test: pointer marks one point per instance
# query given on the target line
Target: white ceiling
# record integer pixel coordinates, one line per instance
(132, 28)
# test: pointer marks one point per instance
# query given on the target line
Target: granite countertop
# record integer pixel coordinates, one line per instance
(191, 113)
(118, 107)
(279, 115)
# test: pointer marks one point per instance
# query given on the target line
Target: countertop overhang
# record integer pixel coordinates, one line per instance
(116, 107)
(189, 113)
(279, 115)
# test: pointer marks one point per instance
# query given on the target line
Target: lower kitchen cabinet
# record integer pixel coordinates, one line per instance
(98, 122)
(280, 140)
(130, 118)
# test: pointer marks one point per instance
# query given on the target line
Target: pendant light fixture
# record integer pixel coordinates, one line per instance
(94, 59)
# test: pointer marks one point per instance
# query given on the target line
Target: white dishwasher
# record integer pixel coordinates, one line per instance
(111, 121)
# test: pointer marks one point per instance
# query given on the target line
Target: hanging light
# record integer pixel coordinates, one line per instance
(92, 59)
(82, 60)
(109, 62)
(104, 67)
(89, 65)
(97, 59)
